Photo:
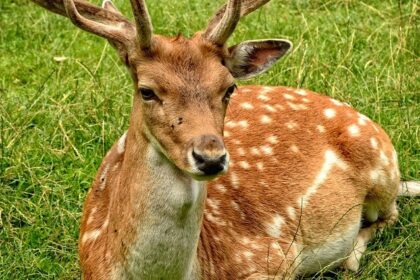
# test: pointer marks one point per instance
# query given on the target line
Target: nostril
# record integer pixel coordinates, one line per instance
(199, 159)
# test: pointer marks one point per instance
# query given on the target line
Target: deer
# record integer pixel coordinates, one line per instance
(218, 181)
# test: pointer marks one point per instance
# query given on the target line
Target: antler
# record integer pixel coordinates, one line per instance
(217, 21)
(143, 23)
(226, 25)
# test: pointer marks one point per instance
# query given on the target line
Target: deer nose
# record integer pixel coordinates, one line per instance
(209, 165)
(209, 154)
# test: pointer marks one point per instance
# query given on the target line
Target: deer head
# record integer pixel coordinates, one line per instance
(182, 86)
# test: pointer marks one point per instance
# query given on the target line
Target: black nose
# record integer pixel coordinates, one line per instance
(209, 166)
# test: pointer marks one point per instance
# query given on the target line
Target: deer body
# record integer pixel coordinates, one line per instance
(262, 217)
(304, 170)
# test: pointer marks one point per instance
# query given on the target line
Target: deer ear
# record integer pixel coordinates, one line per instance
(251, 58)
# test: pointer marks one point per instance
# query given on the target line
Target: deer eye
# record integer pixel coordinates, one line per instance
(229, 92)
(147, 94)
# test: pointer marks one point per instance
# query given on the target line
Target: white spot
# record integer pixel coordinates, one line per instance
(301, 92)
(273, 228)
(121, 143)
(297, 107)
(306, 100)
(220, 188)
(213, 203)
(354, 130)
(265, 119)
(320, 128)
(248, 254)
(377, 175)
(244, 164)
(336, 102)
(245, 240)
(361, 121)
(269, 108)
(237, 142)
(329, 113)
(384, 158)
(294, 148)
(280, 107)
(267, 90)
(241, 151)
(247, 106)
(243, 123)
(263, 97)
(260, 166)
(266, 149)
(291, 212)
(288, 96)
(214, 219)
(291, 125)
(226, 133)
(102, 179)
(330, 160)
(255, 151)
(272, 139)
(234, 180)
(374, 142)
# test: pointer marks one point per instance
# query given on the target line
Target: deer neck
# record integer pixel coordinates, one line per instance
(164, 207)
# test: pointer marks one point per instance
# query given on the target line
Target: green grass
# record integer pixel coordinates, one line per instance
(57, 119)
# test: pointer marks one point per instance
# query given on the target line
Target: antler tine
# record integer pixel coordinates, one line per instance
(143, 23)
(225, 27)
(247, 7)
(101, 29)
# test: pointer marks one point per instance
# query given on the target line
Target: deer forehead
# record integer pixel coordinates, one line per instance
(181, 65)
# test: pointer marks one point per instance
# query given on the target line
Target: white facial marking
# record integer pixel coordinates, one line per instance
(260, 166)
(244, 164)
(247, 106)
(288, 96)
(329, 113)
(273, 229)
(272, 139)
(374, 142)
(294, 148)
(121, 143)
(265, 119)
(267, 150)
(320, 128)
(354, 130)
(291, 125)
(331, 159)
(301, 92)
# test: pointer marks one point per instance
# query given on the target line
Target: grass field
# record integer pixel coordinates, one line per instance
(58, 118)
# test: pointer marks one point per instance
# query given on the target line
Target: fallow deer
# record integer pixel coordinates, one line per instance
(304, 170)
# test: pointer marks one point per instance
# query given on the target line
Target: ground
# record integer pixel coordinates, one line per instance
(65, 98)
